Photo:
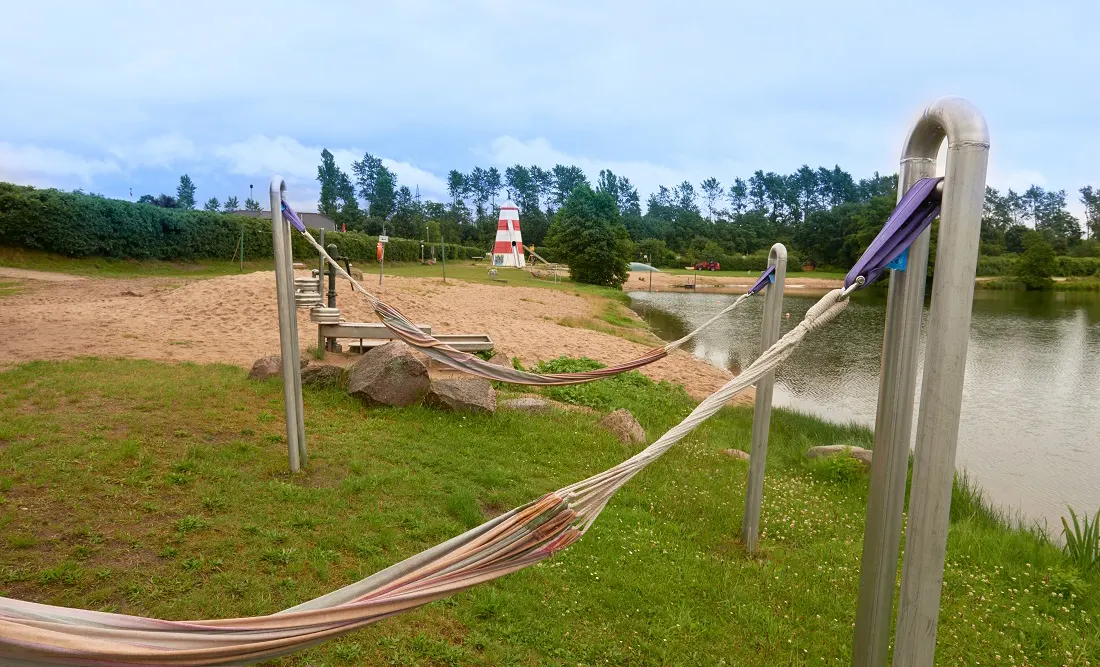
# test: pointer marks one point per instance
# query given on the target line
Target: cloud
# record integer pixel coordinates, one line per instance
(47, 166)
(430, 185)
(162, 151)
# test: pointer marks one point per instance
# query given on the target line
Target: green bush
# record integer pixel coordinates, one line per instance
(79, 225)
(589, 237)
(1037, 263)
(1001, 265)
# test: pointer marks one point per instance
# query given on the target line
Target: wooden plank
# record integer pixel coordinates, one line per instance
(374, 330)
(464, 342)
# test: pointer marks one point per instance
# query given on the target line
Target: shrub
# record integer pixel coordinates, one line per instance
(80, 225)
(589, 237)
(1037, 264)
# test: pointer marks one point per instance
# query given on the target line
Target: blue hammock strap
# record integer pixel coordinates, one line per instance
(766, 278)
(890, 249)
(292, 217)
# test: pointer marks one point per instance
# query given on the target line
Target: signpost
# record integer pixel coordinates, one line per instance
(382, 241)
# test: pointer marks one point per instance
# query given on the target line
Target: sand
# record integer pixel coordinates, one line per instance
(233, 320)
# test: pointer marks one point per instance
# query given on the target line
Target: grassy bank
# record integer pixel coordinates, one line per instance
(162, 490)
(103, 267)
(1059, 285)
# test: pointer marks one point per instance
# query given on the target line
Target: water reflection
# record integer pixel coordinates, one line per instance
(1030, 427)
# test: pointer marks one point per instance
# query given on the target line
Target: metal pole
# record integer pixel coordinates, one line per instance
(321, 284)
(382, 259)
(288, 328)
(762, 415)
(944, 366)
(893, 427)
(443, 243)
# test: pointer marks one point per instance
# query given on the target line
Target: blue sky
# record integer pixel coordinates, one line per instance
(113, 95)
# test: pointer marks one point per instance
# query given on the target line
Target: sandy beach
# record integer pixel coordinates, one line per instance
(705, 281)
(233, 320)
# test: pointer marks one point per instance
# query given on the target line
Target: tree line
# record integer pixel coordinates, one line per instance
(825, 214)
(185, 199)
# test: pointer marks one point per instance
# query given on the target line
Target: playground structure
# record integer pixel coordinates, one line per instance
(38, 634)
(508, 247)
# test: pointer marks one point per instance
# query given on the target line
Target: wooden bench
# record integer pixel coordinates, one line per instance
(464, 342)
(373, 334)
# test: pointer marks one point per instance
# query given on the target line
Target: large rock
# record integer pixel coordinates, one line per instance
(527, 404)
(462, 394)
(736, 454)
(624, 426)
(389, 374)
(860, 454)
(500, 359)
(324, 376)
(269, 367)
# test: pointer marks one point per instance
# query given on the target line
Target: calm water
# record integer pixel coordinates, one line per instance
(1030, 429)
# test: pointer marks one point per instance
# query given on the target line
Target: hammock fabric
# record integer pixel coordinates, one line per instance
(406, 331)
(33, 634)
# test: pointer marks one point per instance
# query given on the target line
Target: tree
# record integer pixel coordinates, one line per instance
(589, 237)
(456, 185)
(231, 204)
(712, 192)
(161, 200)
(383, 198)
(1091, 199)
(212, 205)
(492, 184)
(608, 182)
(1036, 265)
(738, 196)
(328, 175)
(545, 182)
(522, 188)
(366, 173)
(566, 179)
(251, 204)
(185, 192)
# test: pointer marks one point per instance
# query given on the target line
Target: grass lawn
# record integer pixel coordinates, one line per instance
(163, 490)
(103, 267)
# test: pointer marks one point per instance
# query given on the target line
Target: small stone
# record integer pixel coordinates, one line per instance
(860, 454)
(527, 404)
(324, 376)
(462, 394)
(130, 293)
(736, 453)
(356, 272)
(389, 374)
(624, 426)
(269, 367)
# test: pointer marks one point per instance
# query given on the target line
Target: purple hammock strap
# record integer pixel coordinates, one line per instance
(292, 217)
(766, 278)
(913, 214)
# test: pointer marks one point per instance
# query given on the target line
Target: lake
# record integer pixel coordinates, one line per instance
(1030, 431)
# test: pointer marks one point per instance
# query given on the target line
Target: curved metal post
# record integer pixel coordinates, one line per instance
(944, 367)
(762, 414)
(949, 324)
(288, 328)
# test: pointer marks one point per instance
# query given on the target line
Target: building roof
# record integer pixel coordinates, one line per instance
(311, 220)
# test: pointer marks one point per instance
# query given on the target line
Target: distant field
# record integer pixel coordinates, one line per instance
(824, 275)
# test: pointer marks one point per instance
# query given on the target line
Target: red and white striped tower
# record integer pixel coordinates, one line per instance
(508, 249)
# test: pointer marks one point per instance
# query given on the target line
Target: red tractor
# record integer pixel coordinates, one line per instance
(708, 266)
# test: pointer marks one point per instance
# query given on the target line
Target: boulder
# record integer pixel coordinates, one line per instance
(462, 394)
(500, 359)
(389, 374)
(624, 426)
(356, 272)
(860, 454)
(527, 404)
(269, 367)
(324, 376)
(736, 454)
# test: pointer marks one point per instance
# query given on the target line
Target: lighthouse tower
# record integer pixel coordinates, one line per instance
(508, 249)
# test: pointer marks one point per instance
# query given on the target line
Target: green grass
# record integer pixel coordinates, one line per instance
(163, 490)
(9, 288)
(102, 267)
(1066, 285)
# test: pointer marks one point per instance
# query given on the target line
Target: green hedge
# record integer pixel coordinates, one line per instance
(79, 225)
(1065, 266)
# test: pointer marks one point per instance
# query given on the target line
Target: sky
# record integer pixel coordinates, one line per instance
(113, 96)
